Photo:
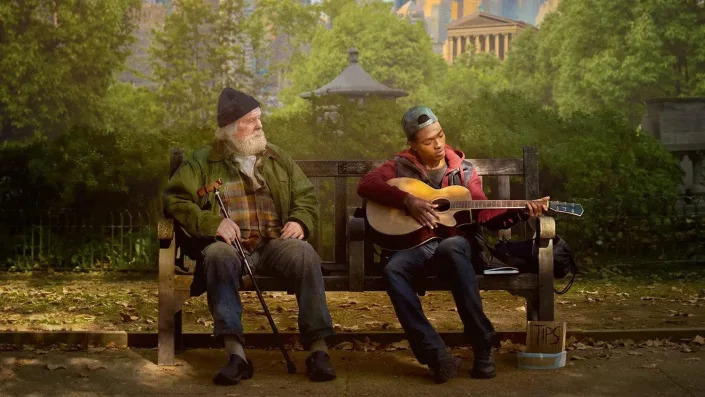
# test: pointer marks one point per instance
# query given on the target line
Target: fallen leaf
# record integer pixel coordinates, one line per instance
(52, 366)
(373, 324)
(520, 309)
(92, 366)
(649, 366)
(699, 340)
(401, 345)
(351, 328)
(344, 346)
(577, 358)
(692, 359)
(6, 374)
(685, 348)
(634, 353)
(127, 317)
(337, 327)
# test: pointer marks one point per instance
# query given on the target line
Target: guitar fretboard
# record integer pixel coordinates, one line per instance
(487, 204)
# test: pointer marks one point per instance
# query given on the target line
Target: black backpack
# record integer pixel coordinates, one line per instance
(524, 256)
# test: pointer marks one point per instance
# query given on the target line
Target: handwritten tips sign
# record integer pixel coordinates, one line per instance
(545, 336)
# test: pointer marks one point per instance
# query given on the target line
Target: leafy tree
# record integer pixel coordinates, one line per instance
(200, 50)
(288, 23)
(614, 54)
(392, 50)
(57, 59)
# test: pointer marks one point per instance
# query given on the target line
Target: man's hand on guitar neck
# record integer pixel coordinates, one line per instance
(421, 210)
(536, 208)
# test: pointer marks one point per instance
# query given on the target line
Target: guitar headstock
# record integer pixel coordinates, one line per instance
(566, 208)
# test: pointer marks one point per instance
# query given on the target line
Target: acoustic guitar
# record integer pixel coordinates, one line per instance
(394, 229)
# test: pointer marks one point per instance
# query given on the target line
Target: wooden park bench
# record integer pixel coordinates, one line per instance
(354, 265)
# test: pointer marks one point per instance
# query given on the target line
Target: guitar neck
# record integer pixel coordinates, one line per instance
(487, 204)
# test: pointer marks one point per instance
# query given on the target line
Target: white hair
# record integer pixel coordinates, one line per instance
(226, 132)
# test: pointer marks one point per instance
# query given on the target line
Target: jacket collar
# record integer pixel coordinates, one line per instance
(219, 151)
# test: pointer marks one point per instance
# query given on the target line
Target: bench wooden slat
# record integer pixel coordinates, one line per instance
(504, 194)
(353, 168)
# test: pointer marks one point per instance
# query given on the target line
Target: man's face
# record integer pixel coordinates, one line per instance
(430, 144)
(249, 125)
(248, 138)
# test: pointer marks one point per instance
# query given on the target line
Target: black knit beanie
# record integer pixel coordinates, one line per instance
(234, 104)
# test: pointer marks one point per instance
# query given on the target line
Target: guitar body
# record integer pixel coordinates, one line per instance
(393, 229)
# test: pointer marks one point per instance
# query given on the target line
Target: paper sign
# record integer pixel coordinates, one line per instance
(545, 336)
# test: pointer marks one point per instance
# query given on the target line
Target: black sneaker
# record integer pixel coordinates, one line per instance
(483, 363)
(234, 371)
(445, 369)
(319, 368)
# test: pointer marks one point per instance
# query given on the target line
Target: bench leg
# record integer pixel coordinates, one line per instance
(532, 307)
(545, 280)
(166, 305)
(178, 333)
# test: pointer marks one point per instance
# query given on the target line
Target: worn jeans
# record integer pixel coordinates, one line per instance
(450, 259)
(293, 259)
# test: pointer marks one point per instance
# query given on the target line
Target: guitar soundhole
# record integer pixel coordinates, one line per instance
(443, 205)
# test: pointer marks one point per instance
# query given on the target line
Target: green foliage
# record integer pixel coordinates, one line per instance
(393, 51)
(289, 22)
(612, 55)
(57, 59)
(338, 129)
(200, 50)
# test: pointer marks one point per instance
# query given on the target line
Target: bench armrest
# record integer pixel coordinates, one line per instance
(547, 227)
(165, 232)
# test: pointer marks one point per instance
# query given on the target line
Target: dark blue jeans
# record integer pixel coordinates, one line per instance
(292, 259)
(450, 260)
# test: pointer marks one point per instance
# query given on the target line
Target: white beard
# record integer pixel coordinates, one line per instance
(253, 144)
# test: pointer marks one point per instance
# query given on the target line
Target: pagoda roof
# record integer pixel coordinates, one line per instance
(355, 81)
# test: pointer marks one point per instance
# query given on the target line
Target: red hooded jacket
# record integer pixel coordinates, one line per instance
(373, 186)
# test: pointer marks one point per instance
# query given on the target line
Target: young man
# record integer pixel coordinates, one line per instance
(273, 208)
(430, 160)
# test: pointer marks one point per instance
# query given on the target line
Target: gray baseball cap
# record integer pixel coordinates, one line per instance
(410, 122)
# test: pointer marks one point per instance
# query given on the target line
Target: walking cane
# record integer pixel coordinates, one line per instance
(290, 367)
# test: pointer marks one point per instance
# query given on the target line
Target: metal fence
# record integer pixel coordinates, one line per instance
(116, 239)
(642, 231)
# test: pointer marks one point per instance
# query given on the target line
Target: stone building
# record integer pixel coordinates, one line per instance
(483, 33)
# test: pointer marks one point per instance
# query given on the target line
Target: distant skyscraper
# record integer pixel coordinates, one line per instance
(399, 3)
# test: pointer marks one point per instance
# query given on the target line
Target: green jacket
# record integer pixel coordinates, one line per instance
(293, 193)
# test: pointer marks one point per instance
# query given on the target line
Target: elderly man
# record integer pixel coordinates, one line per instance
(438, 165)
(273, 208)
